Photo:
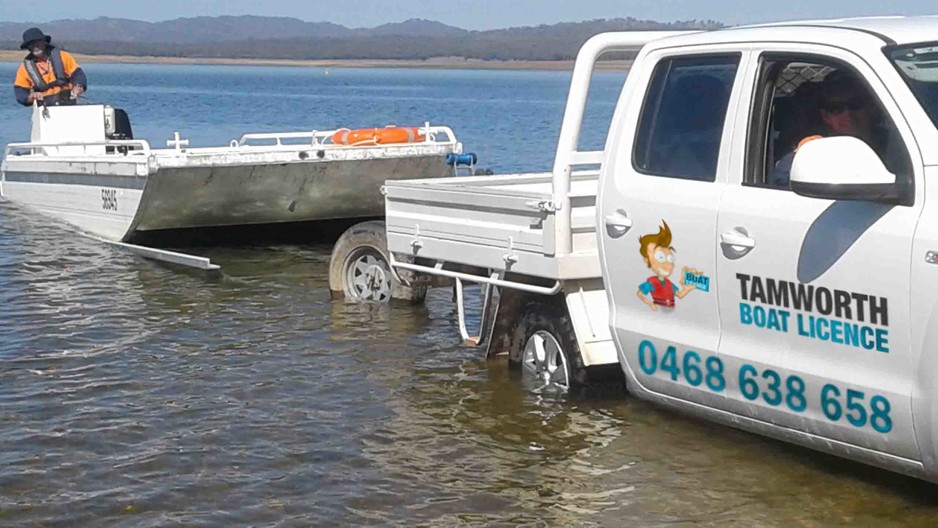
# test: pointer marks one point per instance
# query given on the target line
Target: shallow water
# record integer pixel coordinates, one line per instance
(137, 394)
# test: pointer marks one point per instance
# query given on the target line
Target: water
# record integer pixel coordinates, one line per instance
(510, 118)
(134, 394)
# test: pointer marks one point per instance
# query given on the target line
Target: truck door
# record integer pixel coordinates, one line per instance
(657, 222)
(814, 294)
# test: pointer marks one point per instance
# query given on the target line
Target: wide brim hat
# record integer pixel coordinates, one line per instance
(32, 35)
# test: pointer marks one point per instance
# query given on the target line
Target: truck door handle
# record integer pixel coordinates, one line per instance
(737, 240)
(618, 223)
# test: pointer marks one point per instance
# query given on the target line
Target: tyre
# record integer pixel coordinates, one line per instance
(359, 270)
(544, 347)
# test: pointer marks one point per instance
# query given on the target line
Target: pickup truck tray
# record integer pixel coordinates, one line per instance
(500, 223)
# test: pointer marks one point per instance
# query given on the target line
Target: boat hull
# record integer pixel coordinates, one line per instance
(120, 207)
(196, 197)
(102, 205)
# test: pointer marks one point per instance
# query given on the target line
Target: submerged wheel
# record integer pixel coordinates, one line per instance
(359, 269)
(367, 276)
(543, 359)
(545, 350)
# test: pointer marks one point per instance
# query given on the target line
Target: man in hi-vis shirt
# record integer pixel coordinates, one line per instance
(48, 75)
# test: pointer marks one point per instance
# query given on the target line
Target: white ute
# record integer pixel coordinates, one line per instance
(735, 272)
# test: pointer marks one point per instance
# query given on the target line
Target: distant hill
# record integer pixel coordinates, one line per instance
(257, 37)
(414, 27)
(180, 30)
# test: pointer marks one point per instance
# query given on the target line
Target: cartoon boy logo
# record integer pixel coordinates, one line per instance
(658, 290)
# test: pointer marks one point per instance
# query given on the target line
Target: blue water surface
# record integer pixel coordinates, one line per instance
(510, 118)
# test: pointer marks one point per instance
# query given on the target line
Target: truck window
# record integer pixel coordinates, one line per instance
(918, 65)
(799, 98)
(683, 115)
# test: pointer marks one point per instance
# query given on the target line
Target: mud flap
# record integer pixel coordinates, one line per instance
(588, 307)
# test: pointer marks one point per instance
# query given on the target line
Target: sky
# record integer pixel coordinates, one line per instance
(468, 14)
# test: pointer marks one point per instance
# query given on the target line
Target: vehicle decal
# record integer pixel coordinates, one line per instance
(658, 290)
(837, 403)
(837, 316)
(686, 366)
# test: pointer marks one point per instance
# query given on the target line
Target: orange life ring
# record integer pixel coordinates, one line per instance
(377, 136)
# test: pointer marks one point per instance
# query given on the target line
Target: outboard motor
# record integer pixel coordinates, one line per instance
(117, 123)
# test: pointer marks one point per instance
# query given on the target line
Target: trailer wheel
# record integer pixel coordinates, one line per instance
(544, 347)
(359, 270)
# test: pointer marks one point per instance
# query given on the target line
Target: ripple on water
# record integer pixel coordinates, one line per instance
(139, 395)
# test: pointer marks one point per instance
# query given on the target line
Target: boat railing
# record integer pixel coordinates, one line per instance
(122, 147)
(437, 135)
(434, 135)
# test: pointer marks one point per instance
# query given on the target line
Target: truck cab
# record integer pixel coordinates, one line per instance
(767, 249)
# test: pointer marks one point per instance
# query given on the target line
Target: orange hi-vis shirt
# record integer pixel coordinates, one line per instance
(48, 74)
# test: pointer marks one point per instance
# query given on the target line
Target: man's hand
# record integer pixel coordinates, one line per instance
(33, 97)
(77, 90)
(684, 271)
(693, 271)
(647, 300)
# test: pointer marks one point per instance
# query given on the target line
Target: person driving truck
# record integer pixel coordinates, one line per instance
(844, 107)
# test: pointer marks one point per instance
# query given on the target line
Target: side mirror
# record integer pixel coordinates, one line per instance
(844, 168)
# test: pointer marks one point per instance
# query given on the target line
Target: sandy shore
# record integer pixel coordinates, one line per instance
(443, 63)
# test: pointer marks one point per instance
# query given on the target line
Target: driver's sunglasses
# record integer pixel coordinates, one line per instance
(855, 103)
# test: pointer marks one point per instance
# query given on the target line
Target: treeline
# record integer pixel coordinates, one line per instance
(397, 47)
(553, 42)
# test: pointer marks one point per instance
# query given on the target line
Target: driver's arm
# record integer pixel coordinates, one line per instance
(76, 75)
(22, 86)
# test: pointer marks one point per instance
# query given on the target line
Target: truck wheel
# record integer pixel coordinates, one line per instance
(544, 347)
(359, 270)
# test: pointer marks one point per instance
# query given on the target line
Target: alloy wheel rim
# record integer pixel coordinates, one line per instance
(367, 276)
(543, 360)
